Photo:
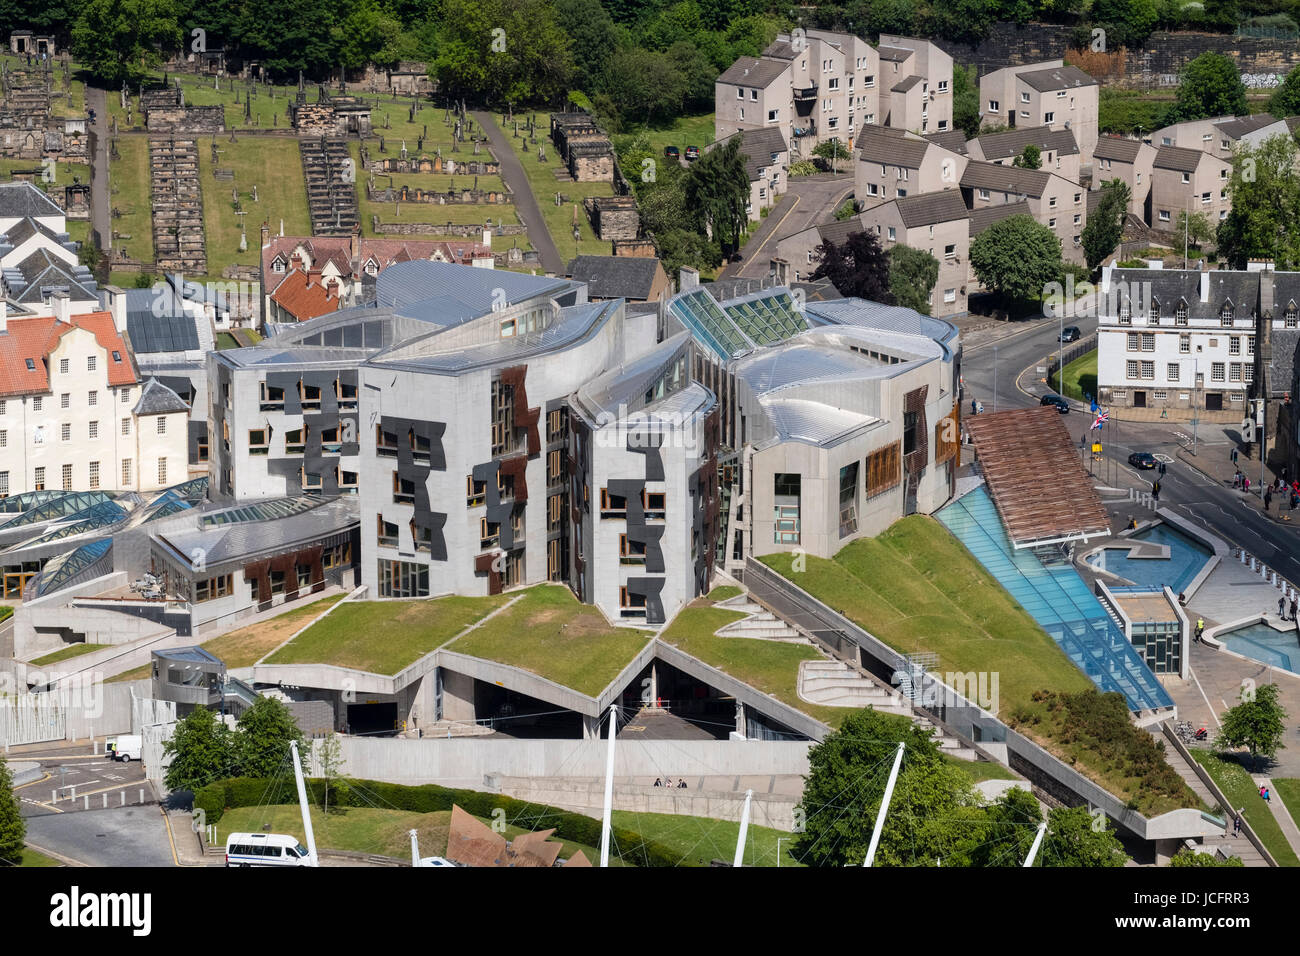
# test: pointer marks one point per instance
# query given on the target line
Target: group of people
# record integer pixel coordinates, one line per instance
(1282, 607)
(1265, 793)
(668, 782)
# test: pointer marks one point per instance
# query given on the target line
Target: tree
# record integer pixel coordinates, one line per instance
(845, 788)
(502, 51)
(1072, 840)
(832, 150)
(1257, 724)
(717, 191)
(1105, 226)
(1007, 833)
(643, 84)
(858, 268)
(262, 738)
(330, 758)
(121, 40)
(912, 275)
(847, 211)
(1286, 98)
(1031, 157)
(1127, 22)
(1017, 257)
(200, 749)
(593, 34)
(1209, 86)
(1186, 857)
(1264, 221)
(965, 100)
(13, 829)
(1196, 227)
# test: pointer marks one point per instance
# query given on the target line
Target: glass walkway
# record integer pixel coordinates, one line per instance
(1059, 600)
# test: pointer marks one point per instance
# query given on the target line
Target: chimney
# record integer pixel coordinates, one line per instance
(687, 279)
(266, 233)
(116, 301)
(355, 245)
(1205, 286)
(61, 302)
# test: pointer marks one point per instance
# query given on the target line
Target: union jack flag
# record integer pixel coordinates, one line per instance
(1102, 418)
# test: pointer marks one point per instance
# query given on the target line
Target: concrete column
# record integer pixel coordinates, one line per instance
(457, 696)
(740, 717)
(654, 685)
(590, 727)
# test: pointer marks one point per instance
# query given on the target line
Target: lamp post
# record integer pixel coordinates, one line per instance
(995, 378)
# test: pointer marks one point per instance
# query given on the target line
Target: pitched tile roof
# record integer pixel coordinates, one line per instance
(902, 86)
(1057, 78)
(985, 216)
(616, 277)
(1012, 142)
(896, 54)
(338, 249)
(1006, 179)
(950, 139)
(1117, 148)
(1242, 125)
(758, 147)
(22, 199)
(883, 144)
(34, 338)
(750, 71)
(928, 209)
(303, 296)
(1178, 159)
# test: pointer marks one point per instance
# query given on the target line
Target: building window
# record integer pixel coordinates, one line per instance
(1217, 370)
(949, 295)
(63, 366)
(1164, 215)
(1234, 345)
(1161, 395)
(1180, 314)
(475, 492)
(257, 441)
(654, 504)
(1153, 314)
(92, 398)
(1125, 313)
(1226, 315)
(65, 400)
(90, 363)
(848, 499)
(65, 432)
(1148, 370)
(67, 477)
(126, 472)
(1132, 342)
(403, 579)
(1234, 372)
(94, 475)
(125, 393)
(1148, 342)
(162, 425)
(38, 479)
(1131, 369)
(295, 442)
(4, 484)
(162, 471)
(1290, 316)
(1185, 344)
(213, 588)
(4, 438)
(126, 426)
(1172, 371)
(386, 532)
(630, 552)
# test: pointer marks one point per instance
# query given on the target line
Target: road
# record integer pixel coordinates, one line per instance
(808, 201)
(512, 172)
(101, 220)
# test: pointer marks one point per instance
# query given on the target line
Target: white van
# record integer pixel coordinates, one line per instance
(265, 849)
(125, 748)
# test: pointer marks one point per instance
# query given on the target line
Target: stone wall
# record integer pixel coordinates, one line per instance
(613, 217)
(449, 230)
(642, 248)
(448, 197)
(186, 119)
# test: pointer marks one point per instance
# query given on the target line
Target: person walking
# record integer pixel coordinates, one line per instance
(1162, 469)
(1155, 491)
(1268, 498)
(1234, 456)
(1245, 484)
(1281, 608)
(1236, 821)
(1295, 605)
(1200, 627)
(1236, 479)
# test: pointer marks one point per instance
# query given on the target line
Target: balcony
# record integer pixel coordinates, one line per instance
(805, 95)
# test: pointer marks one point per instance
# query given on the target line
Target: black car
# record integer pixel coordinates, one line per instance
(1061, 404)
(692, 153)
(1070, 333)
(1142, 460)
(672, 152)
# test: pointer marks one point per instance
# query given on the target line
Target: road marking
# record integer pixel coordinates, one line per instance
(772, 233)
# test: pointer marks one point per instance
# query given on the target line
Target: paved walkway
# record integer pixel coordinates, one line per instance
(1280, 813)
(807, 201)
(101, 200)
(512, 172)
(1229, 844)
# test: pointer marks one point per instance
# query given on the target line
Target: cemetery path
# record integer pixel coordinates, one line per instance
(101, 221)
(512, 171)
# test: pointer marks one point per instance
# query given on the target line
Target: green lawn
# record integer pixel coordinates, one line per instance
(35, 858)
(545, 186)
(550, 634)
(917, 589)
(683, 131)
(129, 191)
(700, 840)
(382, 637)
(1238, 786)
(769, 666)
(723, 592)
(66, 653)
(1080, 378)
(274, 166)
(365, 829)
(981, 770)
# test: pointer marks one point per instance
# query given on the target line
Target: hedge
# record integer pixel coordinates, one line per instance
(6, 612)
(216, 798)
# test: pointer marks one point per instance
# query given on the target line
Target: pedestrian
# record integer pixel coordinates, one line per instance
(1295, 498)
(1162, 469)
(1281, 608)
(1236, 821)
(1267, 795)
(1236, 480)
(1268, 498)
(973, 406)
(1245, 484)
(1155, 491)
(1234, 456)
(1200, 628)
(979, 408)
(1295, 605)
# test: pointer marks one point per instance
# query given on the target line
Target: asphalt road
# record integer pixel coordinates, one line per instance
(118, 836)
(992, 368)
(808, 201)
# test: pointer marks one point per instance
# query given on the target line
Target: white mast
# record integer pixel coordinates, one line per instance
(884, 806)
(744, 829)
(415, 849)
(609, 788)
(1038, 841)
(312, 858)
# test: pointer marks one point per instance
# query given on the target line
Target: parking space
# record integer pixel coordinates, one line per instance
(77, 779)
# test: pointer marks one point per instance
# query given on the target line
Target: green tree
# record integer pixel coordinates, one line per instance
(502, 51)
(1209, 86)
(874, 17)
(1073, 840)
(1286, 98)
(1126, 22)
(1257, 723)
(330, 759)
(1264, 221)
(262, 737)
(845, 787)
(965, 100)
(686, 247)
(13, 829)
(593, 34)
(1016, 258)
(1005, 835)
(912, 275)
(1196, 227)
(1031, 157)
(644, 85)
(121, 40)
(858, 267)
(1186, 857)
(717, 191)
(1105, 226)
(201, 750)
(833, 151)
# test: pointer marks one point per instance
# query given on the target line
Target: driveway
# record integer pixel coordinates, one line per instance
(809, 201)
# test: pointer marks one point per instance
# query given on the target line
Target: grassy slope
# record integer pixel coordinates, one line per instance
(129, 178)
(66, 653)
(1240, 789)
(1080, 377)
(549, 633)
(699, 840)
(384, 636)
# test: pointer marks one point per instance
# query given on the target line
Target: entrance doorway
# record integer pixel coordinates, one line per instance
(1214, 401)
(1139, 399)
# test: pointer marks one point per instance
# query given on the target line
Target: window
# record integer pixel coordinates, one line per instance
(489, 534)
(92, 398)
(309, 479)
(403, 579)
(1217, 370)
(1161, 395)
(38, 479)
(126, 472)
(67, 477)
(65, 400)
(1234, 372)
(65, 432)
(775, 115)
(1172, 371)
(90, 363)
(4, 484)
(386, 532)
(883, 470)
(4, 438)
(1024, 97)
(1234, 345)
(630, 552)
(403, 489)
(994, 106)
(892, 234)
(1250, 373)
(1164, 215)
(1049, 118)
(63, 366)
(1130, 369)
(1126, 316)
(162, 471)
(257, 441)
(295, 442)
(1052, 223)
(949, 295)
(1226, 315)
(848, 499)
(1148, 342)
(117, 356)
(1153, 314)
(654, 504)
(94, 475)
(983, 194)
(950, 251)
(1148, 370)
(213, 588)
(126, 393)
(1187, 178)
(1290, 316)
(1180, 314)
(126, 426)
(31, 365)
(1133, 341)
(1250, 345)
(612, 506)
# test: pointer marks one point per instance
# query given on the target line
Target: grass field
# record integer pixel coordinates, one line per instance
(550, 634)
(67, 653)
(699, 840)
(917, 589)
(248, 645)
(35, 858)
(129, 179)
(1241, 791)
(273, 165)
(769, 666)
(1080, 378)
(365, 829)
(382, 637)
(682, 132)
(545, 186)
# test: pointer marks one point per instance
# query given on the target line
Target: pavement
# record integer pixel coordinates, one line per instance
(512, 172)
(807, 201)
(118, 836)
(101, 219)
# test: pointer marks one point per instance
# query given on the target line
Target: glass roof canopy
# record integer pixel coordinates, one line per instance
(62, 569)
(1059, 600)
(27, 500)
(102, 515)
(262, 511)
(62, 505)
(764, 318)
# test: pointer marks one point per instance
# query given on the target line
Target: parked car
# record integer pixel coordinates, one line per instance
(1070, 333)
(692, 153)
(672, 152)
(1060, 404)
(1143, 460)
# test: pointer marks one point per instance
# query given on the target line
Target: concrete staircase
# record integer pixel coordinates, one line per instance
(760, 624)
(833, 683)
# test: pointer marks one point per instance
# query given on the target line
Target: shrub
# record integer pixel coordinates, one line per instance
(805, 167)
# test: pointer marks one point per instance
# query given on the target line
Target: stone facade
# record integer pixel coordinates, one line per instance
(330, 116)
(613, 217)
(200, 120)
(583, 146)
(451, 196)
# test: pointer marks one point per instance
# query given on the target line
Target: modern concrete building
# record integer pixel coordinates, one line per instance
(1043, 94)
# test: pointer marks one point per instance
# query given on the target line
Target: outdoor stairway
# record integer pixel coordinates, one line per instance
(177, 201)
(835, 684)
(330, 175)
(761, 623)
